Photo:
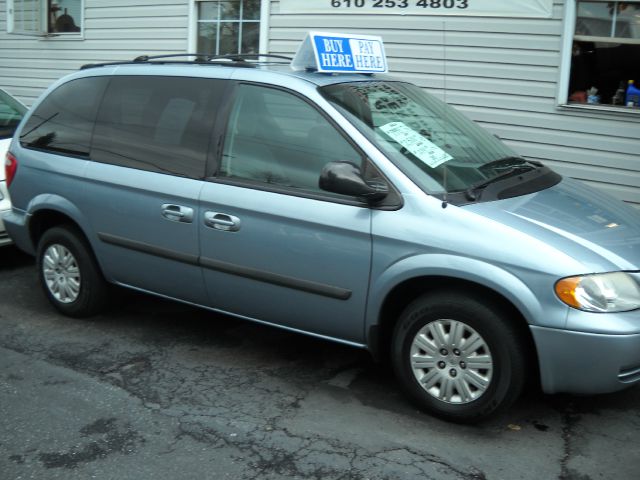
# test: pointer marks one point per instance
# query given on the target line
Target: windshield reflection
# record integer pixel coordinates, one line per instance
(437, 147)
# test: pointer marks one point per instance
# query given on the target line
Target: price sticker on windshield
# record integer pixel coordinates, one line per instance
(427, 151)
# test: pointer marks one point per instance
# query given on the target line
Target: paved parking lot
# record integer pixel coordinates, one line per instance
(154, 389)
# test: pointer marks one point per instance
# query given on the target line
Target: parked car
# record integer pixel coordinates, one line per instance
(11, 112)
(354, 208)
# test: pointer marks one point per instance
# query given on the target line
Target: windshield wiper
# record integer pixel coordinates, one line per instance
(526, 166)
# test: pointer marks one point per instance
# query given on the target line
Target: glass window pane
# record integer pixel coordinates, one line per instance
(159, 124)
(276, 138)
(594, 19)
(26, 15)
(207, 36)
(250, 37)
(65, 16)
(628, 21)
(208, 10)
(230, 10)
(11, 112)
(251, 10)
(229, 37)
(64, 120)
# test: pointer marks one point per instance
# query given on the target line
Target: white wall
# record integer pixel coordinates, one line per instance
(114, 30)
(502, 72)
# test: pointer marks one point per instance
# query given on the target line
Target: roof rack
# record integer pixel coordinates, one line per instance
(235, 60)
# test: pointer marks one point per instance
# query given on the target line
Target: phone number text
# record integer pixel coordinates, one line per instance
(434, 4)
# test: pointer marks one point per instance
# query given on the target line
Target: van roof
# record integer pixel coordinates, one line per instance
(276, 64)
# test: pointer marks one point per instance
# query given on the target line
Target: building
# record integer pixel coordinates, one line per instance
(522, 68)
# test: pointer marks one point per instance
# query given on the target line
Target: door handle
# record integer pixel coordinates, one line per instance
(222, 221)
(177, 213)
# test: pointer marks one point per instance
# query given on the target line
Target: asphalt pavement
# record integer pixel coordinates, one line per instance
(157, 390)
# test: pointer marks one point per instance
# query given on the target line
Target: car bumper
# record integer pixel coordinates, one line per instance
(587, 363)
(15, 223)
(5, 205)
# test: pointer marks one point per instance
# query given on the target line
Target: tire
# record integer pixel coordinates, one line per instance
(69, 273)
(458, 357)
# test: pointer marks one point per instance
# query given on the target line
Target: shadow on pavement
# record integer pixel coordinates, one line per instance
(12, 258)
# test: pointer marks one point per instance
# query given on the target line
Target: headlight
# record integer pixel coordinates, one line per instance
(604, 292)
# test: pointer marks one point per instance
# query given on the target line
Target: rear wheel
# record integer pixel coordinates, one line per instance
(69, 273)
(458, 357)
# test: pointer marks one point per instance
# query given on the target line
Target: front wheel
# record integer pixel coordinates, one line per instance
(69, 273)
(457, 356)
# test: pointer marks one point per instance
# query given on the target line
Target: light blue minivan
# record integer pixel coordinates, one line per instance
(355, 208)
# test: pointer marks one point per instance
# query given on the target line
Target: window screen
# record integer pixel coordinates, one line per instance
(277, 138)
(63, 122)
(161, 124)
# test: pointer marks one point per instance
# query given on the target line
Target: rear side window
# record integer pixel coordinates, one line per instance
(64, 121)
(160, 124)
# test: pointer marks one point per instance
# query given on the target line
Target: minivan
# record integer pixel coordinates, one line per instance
(357, 208)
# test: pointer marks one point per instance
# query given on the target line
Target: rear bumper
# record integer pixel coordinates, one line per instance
(5, 205)
(15, 222)
(586, 363)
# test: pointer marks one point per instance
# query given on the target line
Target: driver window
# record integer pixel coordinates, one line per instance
(277, 138)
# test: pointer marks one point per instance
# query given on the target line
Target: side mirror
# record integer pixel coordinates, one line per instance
(345, 178)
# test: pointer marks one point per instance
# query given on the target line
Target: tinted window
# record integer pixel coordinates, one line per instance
(277, 138)
(161, 124)
(64, 120)
(11, 112)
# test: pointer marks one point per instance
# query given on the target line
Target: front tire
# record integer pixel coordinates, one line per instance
(69, 273)
(458, 356)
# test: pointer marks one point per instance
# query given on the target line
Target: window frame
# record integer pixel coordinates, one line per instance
(42, 21)
(263, 22)
(568, 35)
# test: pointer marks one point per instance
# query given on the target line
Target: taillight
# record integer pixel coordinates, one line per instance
(10, 167)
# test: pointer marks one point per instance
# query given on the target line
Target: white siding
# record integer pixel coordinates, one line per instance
(114, 30)
(503, 73)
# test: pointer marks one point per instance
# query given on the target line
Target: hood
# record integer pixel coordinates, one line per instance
(4, 146)
(595, 229)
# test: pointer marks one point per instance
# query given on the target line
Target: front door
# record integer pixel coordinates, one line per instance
(274, 247)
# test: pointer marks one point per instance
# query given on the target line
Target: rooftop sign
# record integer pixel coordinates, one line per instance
(341, 53)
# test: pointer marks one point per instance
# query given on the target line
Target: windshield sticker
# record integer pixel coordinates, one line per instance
(425, 150)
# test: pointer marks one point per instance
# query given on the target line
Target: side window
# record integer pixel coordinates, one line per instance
(160, 124)
(64, 121)
(277, 138)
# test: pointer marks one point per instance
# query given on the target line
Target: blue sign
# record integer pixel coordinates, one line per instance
(340, 53)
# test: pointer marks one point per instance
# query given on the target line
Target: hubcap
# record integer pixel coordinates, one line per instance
(451, 361)
(61, 273)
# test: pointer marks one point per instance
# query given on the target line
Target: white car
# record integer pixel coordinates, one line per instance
(11, 112)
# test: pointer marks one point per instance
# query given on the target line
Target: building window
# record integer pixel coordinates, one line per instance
(45, 17)
(605, 57)
(228, 26)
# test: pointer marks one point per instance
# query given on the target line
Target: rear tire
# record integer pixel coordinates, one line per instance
(69, 273)
(458, 356)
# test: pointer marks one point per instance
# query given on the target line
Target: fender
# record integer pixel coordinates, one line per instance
(488, 275)
(61, 205)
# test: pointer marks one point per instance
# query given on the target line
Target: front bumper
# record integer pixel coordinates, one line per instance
(587, 363)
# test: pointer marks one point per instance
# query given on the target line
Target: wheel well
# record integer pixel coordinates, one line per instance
(43, 220)
(406, 292)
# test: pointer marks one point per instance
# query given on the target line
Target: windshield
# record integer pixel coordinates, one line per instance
(437, 147)
(11, 112)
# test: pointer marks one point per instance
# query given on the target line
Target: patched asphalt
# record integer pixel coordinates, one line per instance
(155, 389)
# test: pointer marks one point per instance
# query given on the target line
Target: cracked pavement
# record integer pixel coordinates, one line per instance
(155, 389)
